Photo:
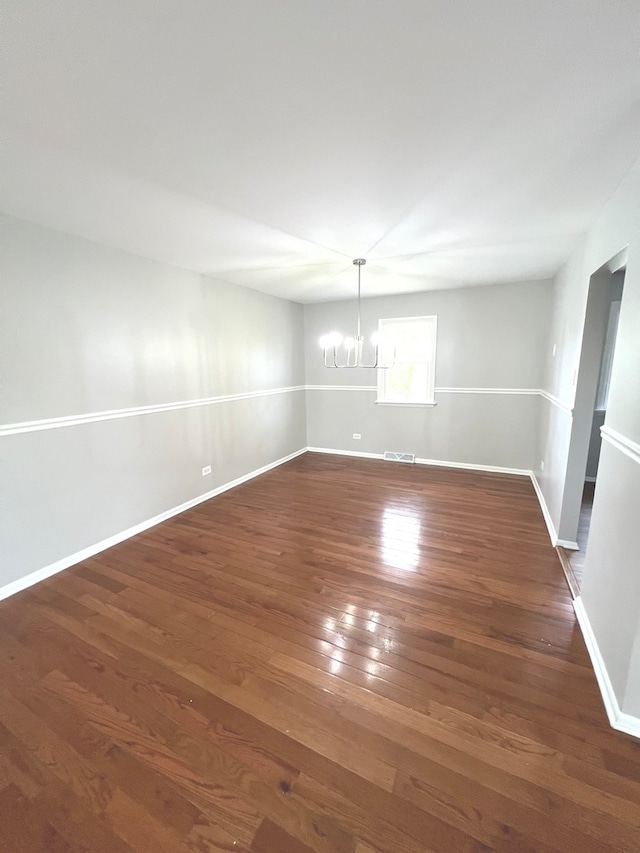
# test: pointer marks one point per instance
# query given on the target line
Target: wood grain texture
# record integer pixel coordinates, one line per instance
(341, 656)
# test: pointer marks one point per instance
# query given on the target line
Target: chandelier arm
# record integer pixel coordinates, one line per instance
(356, 360)
(335, 362)
(347, 364)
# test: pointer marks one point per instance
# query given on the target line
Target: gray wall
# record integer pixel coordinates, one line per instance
(611, 585)
(595, 442)
(491, 343)
(88, 329)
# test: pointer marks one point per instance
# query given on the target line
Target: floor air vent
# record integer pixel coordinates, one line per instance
(393, 456)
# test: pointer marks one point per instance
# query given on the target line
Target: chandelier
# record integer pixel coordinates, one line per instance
(353, 345)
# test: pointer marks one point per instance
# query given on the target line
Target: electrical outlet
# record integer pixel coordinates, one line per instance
(206, 470)
(542, 464)
(357, 435)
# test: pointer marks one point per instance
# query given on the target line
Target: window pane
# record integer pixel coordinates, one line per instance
(410, 341)
(406, 383)
(410, 344)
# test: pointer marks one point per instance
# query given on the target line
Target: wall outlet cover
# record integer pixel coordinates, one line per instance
(206, 470)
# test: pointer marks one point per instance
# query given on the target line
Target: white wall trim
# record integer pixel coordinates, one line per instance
(468, 466)
(621, 442)
(438, 390)
(414, 405)
(341, 387)
(135, 411)
(345, 452)
(546, 514)
(566, 407)
(531, 392)
(617, 718)
(47, 571)
(492, 469)
(522, 391)
(553, 534)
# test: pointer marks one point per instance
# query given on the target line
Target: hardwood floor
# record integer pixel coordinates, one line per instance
(342, 656)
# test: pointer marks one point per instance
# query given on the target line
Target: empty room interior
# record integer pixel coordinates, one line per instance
(320, 426)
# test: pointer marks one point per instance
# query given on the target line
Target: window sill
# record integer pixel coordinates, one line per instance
(413, 405)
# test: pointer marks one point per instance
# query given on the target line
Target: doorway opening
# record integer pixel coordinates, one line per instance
(590, 409)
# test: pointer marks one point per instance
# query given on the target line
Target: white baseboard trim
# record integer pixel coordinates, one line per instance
(345, 452)
(492, 469)
(568, 544)
(47, 571)
(468, 466)
(553, 535)
(626, 723)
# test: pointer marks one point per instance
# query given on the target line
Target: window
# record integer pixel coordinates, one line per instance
(411, 380)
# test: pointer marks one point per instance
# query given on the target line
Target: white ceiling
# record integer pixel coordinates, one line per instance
(450, 142)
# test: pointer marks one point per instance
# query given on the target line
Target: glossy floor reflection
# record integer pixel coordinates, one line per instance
(340, 656)
(400, 533)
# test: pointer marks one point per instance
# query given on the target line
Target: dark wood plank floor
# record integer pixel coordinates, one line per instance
(342, 656)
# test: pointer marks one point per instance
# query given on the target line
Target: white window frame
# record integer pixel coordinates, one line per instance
(427, 398)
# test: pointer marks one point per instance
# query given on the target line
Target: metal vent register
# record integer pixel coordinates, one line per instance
(396, 456)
